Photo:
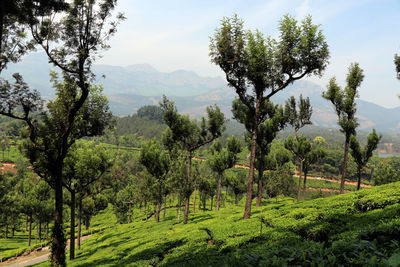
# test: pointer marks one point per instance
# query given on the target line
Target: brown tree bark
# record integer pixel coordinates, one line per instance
(194, 200)
(188, 181)
(30, 231)
(249, 192)
(79, 222)
(358, 178)
(219, 191)
(299, 187)
(304, 185)
(72, 227)
(346, 154)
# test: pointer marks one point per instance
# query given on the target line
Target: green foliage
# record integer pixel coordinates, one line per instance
(331, 231)
(151, 112)
(385, 173)
(397, 64)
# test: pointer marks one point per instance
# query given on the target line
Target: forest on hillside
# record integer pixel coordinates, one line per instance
(159, 187)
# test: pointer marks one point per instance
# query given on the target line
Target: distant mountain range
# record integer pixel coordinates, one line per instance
(129, 88)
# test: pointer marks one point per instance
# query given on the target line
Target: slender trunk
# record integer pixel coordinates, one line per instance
(204, 202)
(79, 222)
(87, 223)
(249, 192)
(12, 231)
(260, 182)
(72, 227)
(145, 209)
(188, 181)
(359, 178)
(346, 153)
(299, 187)
(40, 231)
(219, 191)
(6, 233)
(179, 209)
(212, 199)
(236, 199)
(194, 200)
(2, 2)
(58, 238)
(159, 202)
(30, 230)
(304, 184)
(129, 213)
(47, 230)
(26, 223)
(165, 206)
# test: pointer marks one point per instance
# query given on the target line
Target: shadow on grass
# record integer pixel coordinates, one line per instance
(152, 256)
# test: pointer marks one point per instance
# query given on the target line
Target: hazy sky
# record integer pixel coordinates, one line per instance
(172, 34)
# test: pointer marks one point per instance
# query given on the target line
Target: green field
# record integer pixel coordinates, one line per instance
(359, 229)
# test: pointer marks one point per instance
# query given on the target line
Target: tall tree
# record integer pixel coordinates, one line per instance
(84, 165)
(157, 163)
(397, 64)
(299, 114)
(71, 43)
(190, 136)
(344, 103)
(223, 158)
(316, 153)
(362, 155)
(300, 147)
(258, 67)
(274, 120)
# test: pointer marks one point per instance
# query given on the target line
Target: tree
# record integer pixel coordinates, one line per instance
(84, 165)
(258, 67)
(157, 164)
(236, 179)
(343, 101)
(222, 159)
(362, 155)
(299, 114)
(316, 153)
(300, 147)
(397, 64)
(189, 136)
(71, 44)
(385, 173)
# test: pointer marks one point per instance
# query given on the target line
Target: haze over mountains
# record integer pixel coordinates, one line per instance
(129, 88)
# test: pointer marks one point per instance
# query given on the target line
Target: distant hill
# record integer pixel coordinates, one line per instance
(129, 88)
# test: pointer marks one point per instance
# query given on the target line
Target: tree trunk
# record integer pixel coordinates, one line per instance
(87, 222)
(260, 182)
(359, 178)
(179, 209)
(12, 231)
(159, 202)
(249, 192)
(72, 227)
(236, 199)
(79, 222)
(40, 231)
(219, 191)
(346, 153)
(194, 200)
(165, 206)
(299, 187)
(204, 202)
(6, 233)
(58, 244)
(129, 212)
(30, 230)
(47, 230)
(188, 182)
(26, 223)
(304, 184)
(145, 209)
(212, 199)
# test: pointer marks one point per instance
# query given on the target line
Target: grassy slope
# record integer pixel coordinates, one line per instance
(360, 228)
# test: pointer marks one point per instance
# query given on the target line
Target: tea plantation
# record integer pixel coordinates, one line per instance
(358, 229)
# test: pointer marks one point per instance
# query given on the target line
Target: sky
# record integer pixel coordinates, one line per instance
(172, 35)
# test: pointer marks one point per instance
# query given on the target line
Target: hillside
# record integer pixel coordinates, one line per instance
(358, 229)
(129, 88)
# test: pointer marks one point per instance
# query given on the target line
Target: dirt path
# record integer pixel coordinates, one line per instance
(7, 167)
(308, 177)
(36, 256)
